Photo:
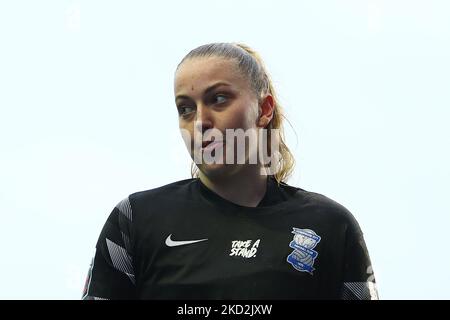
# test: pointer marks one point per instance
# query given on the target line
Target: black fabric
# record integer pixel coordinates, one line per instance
(274, 195)
(295, 244)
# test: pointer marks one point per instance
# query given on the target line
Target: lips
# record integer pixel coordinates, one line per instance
(208, 142)
(209, 145)
(205, 143)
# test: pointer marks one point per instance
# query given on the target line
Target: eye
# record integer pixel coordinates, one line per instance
(220, 98)
(185, 110)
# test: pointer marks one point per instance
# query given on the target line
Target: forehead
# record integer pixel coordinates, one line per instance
(201, 71)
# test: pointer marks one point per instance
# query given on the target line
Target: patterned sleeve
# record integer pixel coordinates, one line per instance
(359, 280)
(111, 273)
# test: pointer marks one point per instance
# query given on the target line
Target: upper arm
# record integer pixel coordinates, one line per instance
(111, 273)
(358, 279)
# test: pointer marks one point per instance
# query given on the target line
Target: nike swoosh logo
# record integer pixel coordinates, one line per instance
(172, 243)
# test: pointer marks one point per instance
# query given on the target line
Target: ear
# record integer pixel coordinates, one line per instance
(266, 109)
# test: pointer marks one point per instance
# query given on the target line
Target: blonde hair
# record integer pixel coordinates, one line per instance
(251, 65)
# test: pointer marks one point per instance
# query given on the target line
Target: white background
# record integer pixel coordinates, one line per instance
(88, 117)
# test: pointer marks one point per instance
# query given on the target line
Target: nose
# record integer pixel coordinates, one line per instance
(203, 120)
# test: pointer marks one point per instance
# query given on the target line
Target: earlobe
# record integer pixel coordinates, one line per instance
(263, 122)
(260, 122)
(265, 111)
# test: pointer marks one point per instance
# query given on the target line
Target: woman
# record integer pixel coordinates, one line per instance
(236, 230)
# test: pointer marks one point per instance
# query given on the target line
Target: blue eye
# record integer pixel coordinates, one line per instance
(185, 110)
(224, 97)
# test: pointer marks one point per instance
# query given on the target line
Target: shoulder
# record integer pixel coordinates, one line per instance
(324, 208)
(173, 186)
(171, 192)
(172, 189)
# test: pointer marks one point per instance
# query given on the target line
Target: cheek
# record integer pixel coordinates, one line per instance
(243, 117)
(186, 134)
(186, 125)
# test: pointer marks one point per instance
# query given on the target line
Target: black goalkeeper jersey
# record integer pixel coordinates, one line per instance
(183, 241)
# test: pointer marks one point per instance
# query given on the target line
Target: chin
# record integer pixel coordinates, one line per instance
(213, 169)
(217, 171)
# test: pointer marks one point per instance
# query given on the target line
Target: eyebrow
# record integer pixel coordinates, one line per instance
(209, 89)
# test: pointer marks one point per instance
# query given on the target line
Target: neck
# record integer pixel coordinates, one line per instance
(246, 188)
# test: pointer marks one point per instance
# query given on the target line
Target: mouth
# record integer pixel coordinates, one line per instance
(205, 143)
(211, 144)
